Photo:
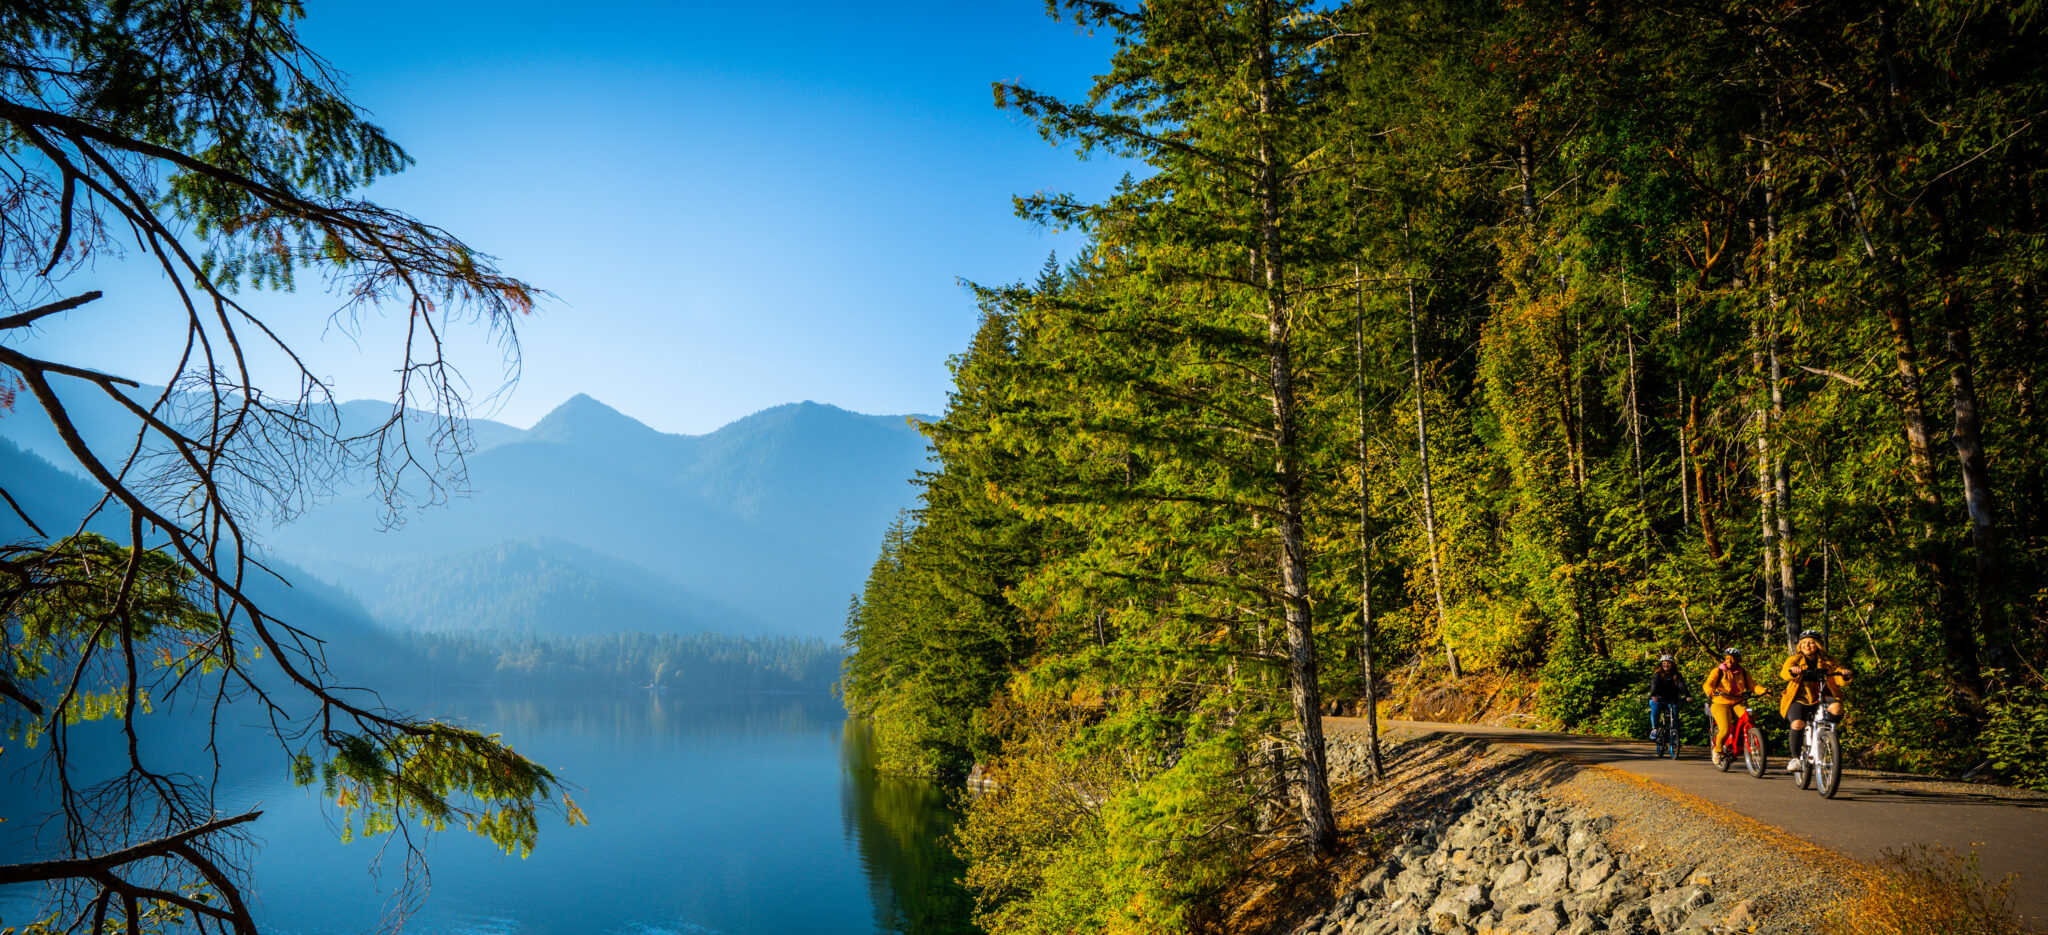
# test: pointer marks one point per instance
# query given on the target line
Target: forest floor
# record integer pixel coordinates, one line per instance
(1685, 815)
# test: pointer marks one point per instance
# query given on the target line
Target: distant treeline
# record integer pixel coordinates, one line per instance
(677, 662)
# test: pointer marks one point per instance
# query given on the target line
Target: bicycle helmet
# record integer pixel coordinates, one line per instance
(1814, 635)
(1732, 651)
(1666, 658)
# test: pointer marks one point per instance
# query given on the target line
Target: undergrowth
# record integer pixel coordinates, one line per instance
(1928, 891)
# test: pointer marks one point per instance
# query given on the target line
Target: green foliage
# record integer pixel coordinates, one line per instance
(1581, 691)
(60, 617)
(2016, 738)
(435, 774)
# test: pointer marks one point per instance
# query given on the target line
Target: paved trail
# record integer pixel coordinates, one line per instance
(1871, 813)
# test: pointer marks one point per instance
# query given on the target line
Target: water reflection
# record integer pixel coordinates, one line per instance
(710, 814)
(902, 827)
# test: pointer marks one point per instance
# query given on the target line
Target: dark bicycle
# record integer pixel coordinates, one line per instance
(1664, 730)
(1745, 740)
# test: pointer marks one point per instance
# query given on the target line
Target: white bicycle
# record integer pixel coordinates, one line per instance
(1820, 763)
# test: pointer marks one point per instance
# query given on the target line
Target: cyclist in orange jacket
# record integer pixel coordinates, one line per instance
(1728, 687)
(1812, 677)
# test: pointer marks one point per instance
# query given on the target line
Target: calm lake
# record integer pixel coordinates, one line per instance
(745, 815)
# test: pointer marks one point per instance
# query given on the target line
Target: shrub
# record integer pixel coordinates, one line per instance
(1928, 891)
(1583, 691)
(2016, 738)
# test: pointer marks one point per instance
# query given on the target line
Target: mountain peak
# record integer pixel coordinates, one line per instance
(583, 420)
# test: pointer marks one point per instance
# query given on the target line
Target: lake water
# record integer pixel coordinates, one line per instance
(743, 815)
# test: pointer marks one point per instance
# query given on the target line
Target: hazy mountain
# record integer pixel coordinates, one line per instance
(545, 586)
(108, 428)
(767, 525)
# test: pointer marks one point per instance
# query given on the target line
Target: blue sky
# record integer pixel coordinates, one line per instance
(737, 206)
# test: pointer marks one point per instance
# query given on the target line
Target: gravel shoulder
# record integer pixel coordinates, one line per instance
(1432, 775)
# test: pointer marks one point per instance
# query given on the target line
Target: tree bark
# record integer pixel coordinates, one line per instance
(1781, 508)
(1766, 485)
(1968, 434)
(1436, 578)
(1635, 437)
(1708, 531)
(1366, 625)
(1318, 816)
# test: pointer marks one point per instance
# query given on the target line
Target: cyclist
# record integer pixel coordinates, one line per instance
(1728, 688)
(1811, 677)
(1667, 689)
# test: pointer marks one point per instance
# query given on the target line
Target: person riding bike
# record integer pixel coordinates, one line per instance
(1667, 689)
(1728, 687)
(1812, 677)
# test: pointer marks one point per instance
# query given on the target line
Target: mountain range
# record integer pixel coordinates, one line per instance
(594, 522)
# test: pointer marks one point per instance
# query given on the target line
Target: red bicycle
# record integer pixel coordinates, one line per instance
(1745, 740)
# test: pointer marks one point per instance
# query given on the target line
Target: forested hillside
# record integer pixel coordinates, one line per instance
(1533, 338)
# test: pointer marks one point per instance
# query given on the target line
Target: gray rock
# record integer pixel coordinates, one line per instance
(1375, 882)
(1603, 901)
(1675, 876)
(1543, 920)
(1631, 916)
(1589, 877)
(1550, 877)
(1515, 873)
(1447, 907)
(1703, 919)
(1416, 884)
(1580, 839)
(1671, 908)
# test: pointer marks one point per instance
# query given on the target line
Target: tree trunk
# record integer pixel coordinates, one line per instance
(1708, 531)
(1318, 817)
(1635, 437)
(1366, 625)
(1436, 577)
(1788, 582)
(1969, 442)
(1766, 485)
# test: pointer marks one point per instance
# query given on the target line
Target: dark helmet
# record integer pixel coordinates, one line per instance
(1732, 651)
(1813, 635)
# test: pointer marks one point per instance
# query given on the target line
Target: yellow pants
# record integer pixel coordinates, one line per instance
(1725, 715)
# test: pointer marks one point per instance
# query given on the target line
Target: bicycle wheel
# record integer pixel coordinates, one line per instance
(1754, 757)
(1827, 755)
(1802, 768)
(1671, 731)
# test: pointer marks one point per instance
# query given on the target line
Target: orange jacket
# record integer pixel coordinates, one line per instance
(1729, 687)
(1804, 692)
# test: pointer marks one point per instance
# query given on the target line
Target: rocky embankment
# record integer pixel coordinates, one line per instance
(1510, 861)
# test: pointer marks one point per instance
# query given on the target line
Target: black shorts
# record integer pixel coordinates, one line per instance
(1805, 712)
